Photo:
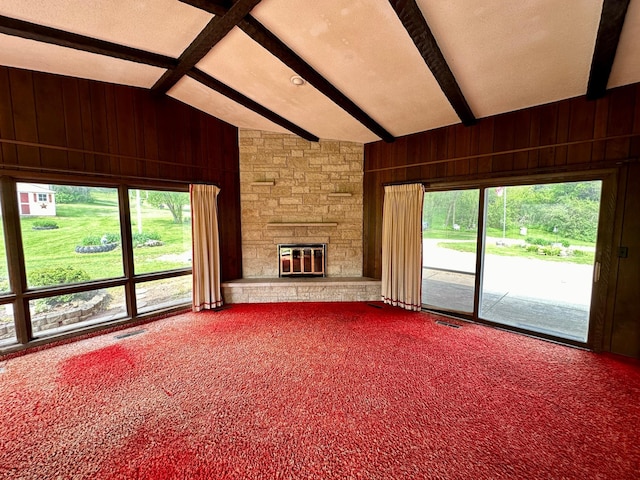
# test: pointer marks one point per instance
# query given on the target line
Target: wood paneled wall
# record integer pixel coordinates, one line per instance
(82, 129)
(570, 135)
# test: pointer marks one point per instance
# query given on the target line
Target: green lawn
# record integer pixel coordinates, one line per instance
(56, 248)
(583, 258)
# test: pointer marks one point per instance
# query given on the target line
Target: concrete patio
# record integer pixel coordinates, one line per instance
(542, 296)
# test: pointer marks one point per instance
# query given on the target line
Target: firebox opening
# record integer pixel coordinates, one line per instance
(302, 260)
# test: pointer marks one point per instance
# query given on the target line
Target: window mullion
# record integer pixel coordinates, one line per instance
(127, 250)
(15, 259)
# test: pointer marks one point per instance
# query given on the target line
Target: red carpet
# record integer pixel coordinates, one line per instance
(326, 391)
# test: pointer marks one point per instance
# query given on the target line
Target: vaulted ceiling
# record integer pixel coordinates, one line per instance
(359, 70)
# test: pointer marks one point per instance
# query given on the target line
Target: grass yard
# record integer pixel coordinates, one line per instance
(580, 257)
(56, 248)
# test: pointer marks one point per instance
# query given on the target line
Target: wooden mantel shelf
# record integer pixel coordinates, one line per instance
(301, 224)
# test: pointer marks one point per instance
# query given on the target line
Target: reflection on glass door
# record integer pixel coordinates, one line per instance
(450, 231)
(539, 250)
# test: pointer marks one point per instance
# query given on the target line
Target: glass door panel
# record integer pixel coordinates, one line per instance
(539, 250)
(450, 232)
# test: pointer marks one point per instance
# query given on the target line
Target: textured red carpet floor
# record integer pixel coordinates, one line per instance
(327, 391)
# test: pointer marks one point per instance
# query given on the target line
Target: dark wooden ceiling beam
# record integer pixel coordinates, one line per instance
(414, 22)
(217, 7)
(40, 33)
(245, 101)
(276, 47)
(260, 34)
(215, 31)
(604, 53)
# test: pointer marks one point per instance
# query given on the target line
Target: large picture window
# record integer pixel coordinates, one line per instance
(87, 255)
(80, 242)
(160, 229)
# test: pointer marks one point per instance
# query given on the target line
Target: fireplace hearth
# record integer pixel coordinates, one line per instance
(302, 260)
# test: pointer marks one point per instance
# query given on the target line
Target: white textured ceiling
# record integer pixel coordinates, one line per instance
(504, 55)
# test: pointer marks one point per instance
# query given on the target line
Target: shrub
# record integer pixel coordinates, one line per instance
(532, 248)
(44, 225)
(551, 251)
(91, 240)
(111, 237)
(141, 238)
(71, 194)
(565, 243)
(537, 241)
(59, 276)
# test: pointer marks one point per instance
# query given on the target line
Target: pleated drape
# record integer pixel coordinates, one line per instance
(206, 247)
(402, 246)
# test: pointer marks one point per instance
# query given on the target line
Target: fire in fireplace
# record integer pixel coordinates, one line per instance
(302, 260)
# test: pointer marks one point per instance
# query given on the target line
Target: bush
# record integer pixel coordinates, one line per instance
(537, 241)
(59, 276)
(90, 240)
(70, 194)
(111, 237)
(551, 251)
(142, 238)
(532, 248)
(565, 243)
(44, 225)
(107, 238)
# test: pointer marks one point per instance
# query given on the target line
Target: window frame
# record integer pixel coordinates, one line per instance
(608, 176)
(20, 294)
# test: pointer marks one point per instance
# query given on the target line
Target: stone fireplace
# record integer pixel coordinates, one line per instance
(293, 191)
(296, 192)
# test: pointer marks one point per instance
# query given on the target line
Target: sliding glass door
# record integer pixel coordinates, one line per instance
(539, 246)
(450, 238)
(536, 252)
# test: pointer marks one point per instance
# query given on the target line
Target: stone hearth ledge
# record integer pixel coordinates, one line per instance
(320, 289)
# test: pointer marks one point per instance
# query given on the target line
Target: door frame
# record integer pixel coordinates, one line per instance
(603, 252)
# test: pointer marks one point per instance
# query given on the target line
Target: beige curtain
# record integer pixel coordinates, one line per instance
(402, 246)
(206, 247)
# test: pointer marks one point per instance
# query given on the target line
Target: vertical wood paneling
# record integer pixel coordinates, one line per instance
(99, 126)
(534, 137)
(485, 144)
(73, 123)
(548, 132)
(562, 132)
(50, 120)
(150, 138)
(522, 129)
(125, 130)
(88, 127)
(24, 116)
(503, 140)
(581, 127)
(8, 151)
(113, 167)
(461, 148)
(621, 109)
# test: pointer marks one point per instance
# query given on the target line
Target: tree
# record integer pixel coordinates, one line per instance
(174, 201)
(70, 194)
